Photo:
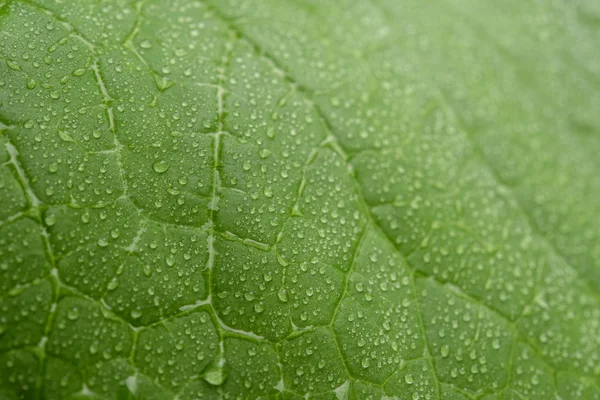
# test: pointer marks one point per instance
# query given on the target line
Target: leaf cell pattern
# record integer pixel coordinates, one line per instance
(329, 200)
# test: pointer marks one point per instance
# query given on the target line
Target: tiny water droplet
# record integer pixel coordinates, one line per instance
(366, 362)
(445, 350)
(113, 284)
(170, 260)
(282, 295)
(160, 166)
(73, 314)
(50, 219)
(264, 153)
(65, 136)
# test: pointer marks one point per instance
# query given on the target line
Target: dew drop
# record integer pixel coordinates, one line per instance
(282, 295)
(160, 166)
(264, 153)
(366, 363)
(13, 65)
(215, 376)
(445, 350)
(113, 284)
(50, 219)
(65, 136)
(73, 314)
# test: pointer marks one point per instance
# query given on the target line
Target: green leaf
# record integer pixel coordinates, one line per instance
(350, 199)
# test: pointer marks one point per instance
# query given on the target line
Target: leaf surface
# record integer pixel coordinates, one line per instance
(303, 199)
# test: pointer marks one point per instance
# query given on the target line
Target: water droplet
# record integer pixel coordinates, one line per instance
(445, 350)
(282, 295)
(13, 65)
(365, 362)
(65, 136)
(94, 348)
(160, 166)
(264, 153)
(215, 376)
(73, 314)
(50, 219)
(113, 284)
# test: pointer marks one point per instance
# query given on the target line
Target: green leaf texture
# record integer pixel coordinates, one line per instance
(318, 199)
